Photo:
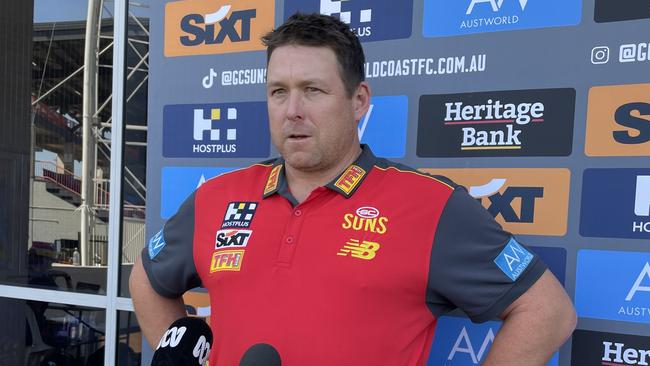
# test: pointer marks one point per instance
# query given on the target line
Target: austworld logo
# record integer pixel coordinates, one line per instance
(448, 18)
(216, 130)
(500, 123)
(371, 20)
(620, 281)
(603, 348)
(459, 342)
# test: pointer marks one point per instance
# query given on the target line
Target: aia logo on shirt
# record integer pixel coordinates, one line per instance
(194, 27)
(523, 201)
(370, 20)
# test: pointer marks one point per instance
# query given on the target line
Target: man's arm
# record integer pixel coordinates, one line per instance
(154, 312)
(534, 326)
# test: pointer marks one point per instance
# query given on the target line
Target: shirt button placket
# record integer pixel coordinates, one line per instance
(290, 241)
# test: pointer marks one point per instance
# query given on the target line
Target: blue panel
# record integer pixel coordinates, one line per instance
(384, 128)
(457, 17)
(613, 285)
(177, 183)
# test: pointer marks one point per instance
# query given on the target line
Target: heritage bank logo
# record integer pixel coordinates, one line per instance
(613, 285)
(617, 10)
(225, 130)
(615, 203)
(618, 120)
(523, 201)
(371, 20)
(600, 348)
(459, 342)
(457, 17)
(195, 27)
(499, 123)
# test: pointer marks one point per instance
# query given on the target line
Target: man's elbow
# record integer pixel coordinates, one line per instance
(566, 320)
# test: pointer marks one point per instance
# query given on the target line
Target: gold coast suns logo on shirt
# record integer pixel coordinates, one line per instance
(367, 219)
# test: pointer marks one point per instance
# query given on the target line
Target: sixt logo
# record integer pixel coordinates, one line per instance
(370, 20)
(618, 120)
(200, 27)
(366, 250)
(232, 237)
(366, 219)
(523, 201)
(501, 203)
(226, 260)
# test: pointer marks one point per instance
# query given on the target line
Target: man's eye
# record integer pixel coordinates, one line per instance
(311, 89)
(277, 92)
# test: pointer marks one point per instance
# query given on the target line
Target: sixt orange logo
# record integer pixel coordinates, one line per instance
(366, 219)
(226, 260)
(197, 27)
(363, 250)
(348, 180)
(272, 182)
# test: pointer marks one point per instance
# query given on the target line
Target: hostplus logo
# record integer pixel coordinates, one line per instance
(500, 123)
(198, 27)
(627, 201)
(446, 18)
(371, 20)
(223, 130)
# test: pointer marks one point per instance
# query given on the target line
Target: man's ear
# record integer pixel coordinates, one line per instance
(361, 100)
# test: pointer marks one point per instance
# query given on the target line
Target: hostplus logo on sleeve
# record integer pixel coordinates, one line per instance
(371, 20)
(457, 17)
(216, 131)
(613, 285)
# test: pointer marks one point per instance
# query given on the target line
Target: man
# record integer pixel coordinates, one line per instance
(334, 256)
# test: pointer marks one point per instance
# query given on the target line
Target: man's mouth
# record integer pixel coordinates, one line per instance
(297, 137)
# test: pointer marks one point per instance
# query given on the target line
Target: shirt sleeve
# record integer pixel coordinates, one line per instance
(476, 265)
(168, 258)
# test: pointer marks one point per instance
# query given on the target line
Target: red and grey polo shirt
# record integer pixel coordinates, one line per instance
(357, 274)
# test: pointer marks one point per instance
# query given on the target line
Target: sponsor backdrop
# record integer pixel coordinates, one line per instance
(541, 108)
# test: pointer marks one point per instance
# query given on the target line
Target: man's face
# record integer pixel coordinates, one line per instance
(312, 118)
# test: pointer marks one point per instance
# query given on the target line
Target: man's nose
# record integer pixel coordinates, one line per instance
(295, 110)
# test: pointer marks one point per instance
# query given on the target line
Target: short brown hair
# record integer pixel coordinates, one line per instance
(322, 30)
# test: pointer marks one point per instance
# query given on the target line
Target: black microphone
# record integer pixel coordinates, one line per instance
(261, 354)
(186, 342)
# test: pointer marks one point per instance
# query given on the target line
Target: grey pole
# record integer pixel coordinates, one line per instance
(88, 140)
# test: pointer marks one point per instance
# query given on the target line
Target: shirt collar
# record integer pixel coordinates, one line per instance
(346, 183)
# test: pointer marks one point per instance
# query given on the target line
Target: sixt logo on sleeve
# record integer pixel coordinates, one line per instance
(156, 244)
(225, 130)
(370, 20)
(513, 259)
(195, 27)
(457, 17)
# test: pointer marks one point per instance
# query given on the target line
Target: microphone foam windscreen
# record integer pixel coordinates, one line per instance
(261, 354)
(186, 342)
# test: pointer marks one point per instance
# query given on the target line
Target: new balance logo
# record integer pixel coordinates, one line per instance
(366, 250)
(203, 125)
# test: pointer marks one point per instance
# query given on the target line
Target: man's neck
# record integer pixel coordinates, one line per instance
(302, 183)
